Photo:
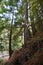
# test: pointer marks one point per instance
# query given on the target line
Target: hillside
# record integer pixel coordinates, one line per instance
(31, 55)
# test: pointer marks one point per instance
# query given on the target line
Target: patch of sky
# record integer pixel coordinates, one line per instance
(9, 14)
(19, 3)
(7, 0)
(6, 15)
(7, 7)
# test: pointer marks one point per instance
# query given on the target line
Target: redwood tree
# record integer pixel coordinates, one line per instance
(27, 34)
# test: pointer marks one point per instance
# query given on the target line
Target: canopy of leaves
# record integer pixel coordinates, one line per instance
(16, 8)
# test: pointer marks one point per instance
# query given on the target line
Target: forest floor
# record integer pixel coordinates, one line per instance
(3, 56)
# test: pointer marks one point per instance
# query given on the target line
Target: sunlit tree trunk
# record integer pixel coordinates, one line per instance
(33, 26)
(27, 34)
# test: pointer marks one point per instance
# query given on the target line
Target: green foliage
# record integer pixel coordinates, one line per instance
(17, 8)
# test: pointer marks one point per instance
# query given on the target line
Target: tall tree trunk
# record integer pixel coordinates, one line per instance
(33, 26)
(27, 34)
(10, 42)
(10, 36)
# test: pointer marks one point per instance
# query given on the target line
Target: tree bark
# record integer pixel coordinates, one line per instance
(10, 42)
(10, 36)
(27, 34)
(33, 26)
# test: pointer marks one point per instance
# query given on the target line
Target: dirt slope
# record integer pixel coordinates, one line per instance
(31, 55)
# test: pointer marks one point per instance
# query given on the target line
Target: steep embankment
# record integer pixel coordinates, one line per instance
(31, 55)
